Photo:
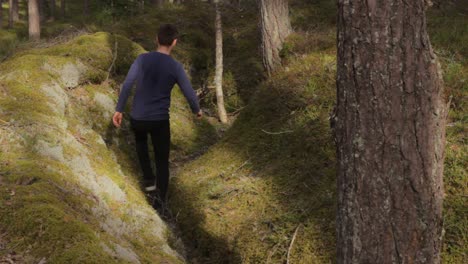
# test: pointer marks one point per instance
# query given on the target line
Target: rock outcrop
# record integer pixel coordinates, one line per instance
(68, 179)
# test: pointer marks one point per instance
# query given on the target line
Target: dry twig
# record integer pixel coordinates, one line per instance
(292, 243)
(277, 133)
(116, 46)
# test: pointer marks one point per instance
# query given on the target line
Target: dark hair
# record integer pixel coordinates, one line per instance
(166, 34)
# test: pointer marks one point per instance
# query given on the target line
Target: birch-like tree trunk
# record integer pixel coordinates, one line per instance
(34, 20)
(219, 65)
(390, 133)
(275, 27)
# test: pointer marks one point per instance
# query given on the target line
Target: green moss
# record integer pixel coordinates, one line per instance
(456, 162)
(8, 42)
(248, 193)
(449, 35)
(42, 218)
(188, 135)
(448, 32)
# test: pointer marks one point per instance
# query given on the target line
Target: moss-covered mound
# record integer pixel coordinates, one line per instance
(68, 179)
(266, 192)
(273, 173)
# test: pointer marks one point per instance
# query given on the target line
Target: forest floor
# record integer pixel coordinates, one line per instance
(271, 178)
(241, 193)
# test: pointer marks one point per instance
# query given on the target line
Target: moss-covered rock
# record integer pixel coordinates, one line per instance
(68, 179)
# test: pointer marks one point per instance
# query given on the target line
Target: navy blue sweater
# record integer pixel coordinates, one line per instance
(155, 75)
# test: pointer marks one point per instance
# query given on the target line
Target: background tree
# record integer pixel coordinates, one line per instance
(42, 8)
(63, 8)
(390, 133)
(275, 27)
(52, 9)
(158, 2)
(34, 20)
(1, 14)
(13, 13)
(219, 64)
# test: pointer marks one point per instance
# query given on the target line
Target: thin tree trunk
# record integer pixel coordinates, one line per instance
(219, 66)
(63, 9)
(390, 133)
(34, 20)
(52, 10)
(85, 8)
(1, 14)
(10, 14)
(13, 13)
(275, 27)
(41, 10)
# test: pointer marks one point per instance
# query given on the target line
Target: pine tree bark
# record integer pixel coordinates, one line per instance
(390, 134)
(219, 65)
(34, 20)
(275, 27)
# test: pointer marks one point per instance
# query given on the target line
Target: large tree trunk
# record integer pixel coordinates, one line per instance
(275, 27)
(390, 133)
(219, 66)
(34, 20)
(13, 13)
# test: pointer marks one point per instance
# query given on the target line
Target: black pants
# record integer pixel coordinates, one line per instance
(161, 140)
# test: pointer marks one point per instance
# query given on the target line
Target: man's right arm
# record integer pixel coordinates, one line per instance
(125, 93)
(127, 86)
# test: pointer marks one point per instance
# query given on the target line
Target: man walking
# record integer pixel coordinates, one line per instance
(155, 74)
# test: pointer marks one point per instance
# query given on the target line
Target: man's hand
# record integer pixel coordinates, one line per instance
(117, 119)
(199, 114)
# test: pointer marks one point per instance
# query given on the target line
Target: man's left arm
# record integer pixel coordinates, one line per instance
(187, 90)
